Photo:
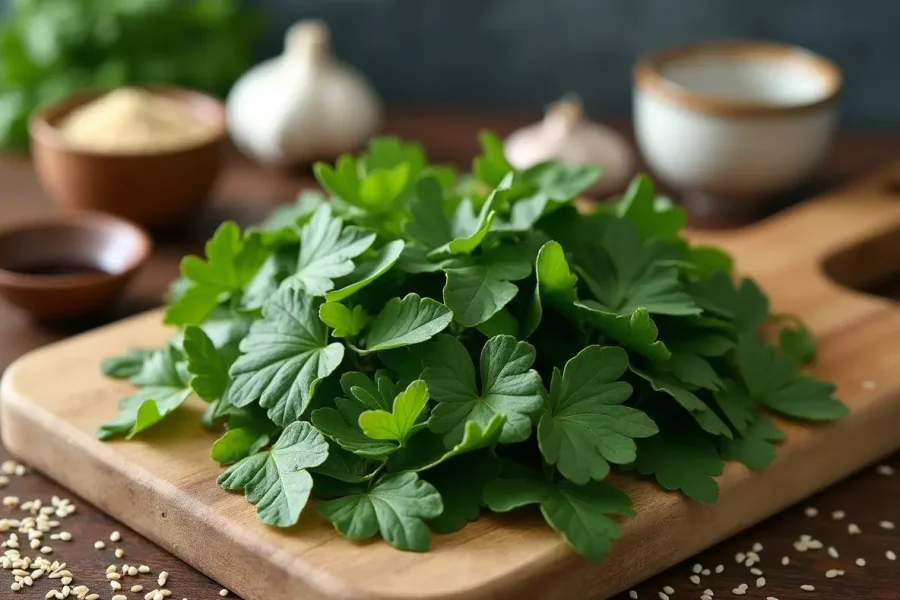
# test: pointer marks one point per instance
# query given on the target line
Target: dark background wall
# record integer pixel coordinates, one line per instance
(522, 54)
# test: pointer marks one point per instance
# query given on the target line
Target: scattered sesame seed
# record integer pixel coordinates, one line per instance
(860, 562)
(143, 569)
(738, 591)
(814, 544)
(21, 470)
(853, 529)
(223, 592)
(137, 588)
(113, 576)
(633, 595)
(755, 571)
(890, 555)
(663, 596)
(65, 536)
(92, 597)
(697, 568)
(886, 524)
(757, 547)
(695, 579)
(832, 552)
(785, 560)
(708, 592)
(705, 597)
(811, 511)
(869, 385)
(66, 580)
(115, 585)
(884, 470)
(133, 571)
(705, 572)
(740, 557)
(761, 582)
(838, 515)
(771, 598)
(119, 553)
(99, 545)
(163, 575)
(808, 588)
(115, 536)
(749, 562)
(720, 568)
(111, 569)
(120, 597)
(668, 589)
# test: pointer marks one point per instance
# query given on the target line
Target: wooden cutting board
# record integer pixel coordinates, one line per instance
(163, 485)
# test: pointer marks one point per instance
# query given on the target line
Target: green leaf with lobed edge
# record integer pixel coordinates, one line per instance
(366, 272)
(773, 380)
(405, 322)
(461, 482)
(283, 357)
(508, 386)
(637, 333)
(345, 322)
(562, 182)
(476, 290)
(491, 166)
(208, 365)
(681, 461)
(581, 514)
(345, 466)
(237, 444)
(441, 236)
(397, 506)
(377, 394)
(327, 250)
(754, 447)
(736, 405)
(426, 451)
(277, 481)
(341, 424)
(402, 421)
(164, 388)
(556, 284)
(667, 384)
(640, 208)
(585, 426)
(126, 365)
(745, 304)
(231, 262)
(622, 274)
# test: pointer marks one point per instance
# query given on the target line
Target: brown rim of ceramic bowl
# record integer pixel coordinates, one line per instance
(43, 122)
(78, 219)
(649, 77)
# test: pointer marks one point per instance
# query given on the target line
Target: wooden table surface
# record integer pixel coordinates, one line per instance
(245, 193)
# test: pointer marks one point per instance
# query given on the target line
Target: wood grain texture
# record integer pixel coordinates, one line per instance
(167, 487)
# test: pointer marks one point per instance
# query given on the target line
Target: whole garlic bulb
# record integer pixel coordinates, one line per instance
(303, 105)
(568, 136)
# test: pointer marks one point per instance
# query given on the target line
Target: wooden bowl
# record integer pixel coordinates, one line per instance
(69, 264)
(154, 190)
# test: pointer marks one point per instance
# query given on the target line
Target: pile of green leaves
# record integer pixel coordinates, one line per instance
(420, 347)
(53, 48)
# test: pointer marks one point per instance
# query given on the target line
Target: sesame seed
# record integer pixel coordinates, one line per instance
(705, 597)
(111, 569)
(853, 529)
(720, 568)
(740, 557)
(137, 588)
(65, 536)
(115, 585)
(755, 571)
(158, 596)
(66, 580)
(886, 524)
(92, 597)
(120, 597)
(749, 562)
(132, 571)
(811, 511)
(662, 596)
(99, 545)
(695, 579)
(757, 547)
(115, 536)
(113, 576)
(771, 598)
(785, 560)
(697, 568)
(761, 582)
(738, 591)
(668, 589)
(633, 595)
(705, 572)
(20, 470)
(814, 544)
(119, 553)
(832, 552)
(163, 575)
(860, 562)
(808, 588)
(223, 592)
(890, 555)
(884, 470)
(708, 592)
(143, 569)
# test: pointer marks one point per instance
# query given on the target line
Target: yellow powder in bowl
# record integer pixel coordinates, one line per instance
(134, 121)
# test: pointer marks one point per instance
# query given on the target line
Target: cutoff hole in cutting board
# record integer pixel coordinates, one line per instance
(872, 266)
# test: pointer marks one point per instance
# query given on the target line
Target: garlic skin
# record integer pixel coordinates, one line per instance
(303, 105)
(568, 136)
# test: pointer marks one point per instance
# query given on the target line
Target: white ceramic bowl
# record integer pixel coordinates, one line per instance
(731, 123)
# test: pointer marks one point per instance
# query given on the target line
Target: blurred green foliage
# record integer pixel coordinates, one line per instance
(52, 48)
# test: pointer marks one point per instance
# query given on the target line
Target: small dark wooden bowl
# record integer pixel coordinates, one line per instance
(86, 259)
(157, 189)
